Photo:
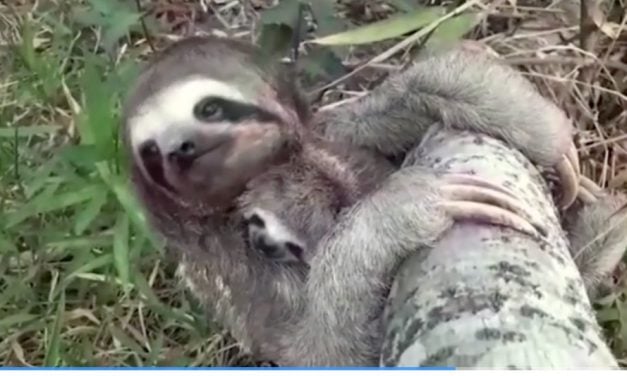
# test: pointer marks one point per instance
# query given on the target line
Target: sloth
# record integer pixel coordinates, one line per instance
(406, 102)
(597, 243)
(594, 227)
(215, 130)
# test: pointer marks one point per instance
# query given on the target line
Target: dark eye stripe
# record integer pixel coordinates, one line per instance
(234, 111)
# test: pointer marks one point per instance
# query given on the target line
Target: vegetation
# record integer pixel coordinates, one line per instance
(83, 281)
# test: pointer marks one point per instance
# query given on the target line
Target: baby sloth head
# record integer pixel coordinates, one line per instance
(206, 116)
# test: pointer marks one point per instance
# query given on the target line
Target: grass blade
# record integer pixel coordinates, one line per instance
(53, 347)
(90, 211)
(121, 250)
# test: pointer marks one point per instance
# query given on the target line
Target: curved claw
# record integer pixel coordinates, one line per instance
(567, 170)
(589, 191)
(586, 196)
(461, 178)
(465, 210)
(588, 184)
(471, 198)
(573, 157)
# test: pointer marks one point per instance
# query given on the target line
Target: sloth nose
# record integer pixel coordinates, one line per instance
(184, 154)
(150, 155)
(149, 151)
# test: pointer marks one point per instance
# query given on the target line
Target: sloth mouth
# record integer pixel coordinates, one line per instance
(187, 172)
(183, 161)
(209, 151)
(175, 172)
(207, 162)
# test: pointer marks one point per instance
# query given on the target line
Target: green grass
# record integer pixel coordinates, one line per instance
(82, 282)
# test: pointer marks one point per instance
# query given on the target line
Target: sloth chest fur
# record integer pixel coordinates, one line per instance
(248, 295)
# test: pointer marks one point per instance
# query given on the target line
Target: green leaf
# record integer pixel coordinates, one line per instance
(121, 250)
(285, 12)
(278, 26)
(27, 210)
(97, 122)
(155, 349)
(45, 70)
(322, 64)
(27, 49)
(87, 242)
(119, 26)
(63, 30)
(87, 17)
(53, 352)
(326, 17)
(40, 178)
(6, 245)
(29, 131)
(91, 210)
(124, 75)
(130, 204)
(138, 244)
(275, 39)
(126, 340)
(154, 303)
(105, 7)
(389, 28)
(47, 202)
(403, 5)
(17, 320)
(114, 16)
(95, 263)
(17, 290)
(81, 155)
(452, 30)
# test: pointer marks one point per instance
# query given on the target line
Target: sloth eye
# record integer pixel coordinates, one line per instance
(208, 109)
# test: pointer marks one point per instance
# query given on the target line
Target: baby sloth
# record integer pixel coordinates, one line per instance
(214, 132)
(266, 233)
(289, 209)
(595, 227)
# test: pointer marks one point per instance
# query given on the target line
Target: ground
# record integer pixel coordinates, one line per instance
(83, 282)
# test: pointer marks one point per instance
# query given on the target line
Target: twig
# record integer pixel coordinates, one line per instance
(587, 36)
(566, 60)
(144, 27)
(619, 95)
(296, 37)
(586, 26)
(342, 102)
(604, 143)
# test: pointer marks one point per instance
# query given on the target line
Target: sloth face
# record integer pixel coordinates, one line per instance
(203, 139)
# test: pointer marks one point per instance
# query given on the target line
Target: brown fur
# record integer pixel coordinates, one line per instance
(468, 89)
(598, 238)
(255, 298)
(364, 225)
